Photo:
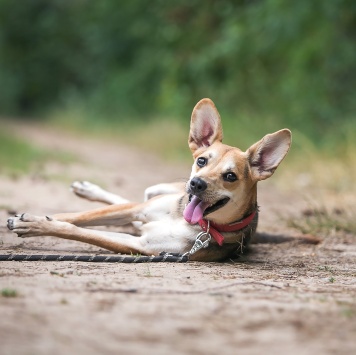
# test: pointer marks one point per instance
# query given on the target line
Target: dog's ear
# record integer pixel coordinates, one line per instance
(265, 155)
(205, 125)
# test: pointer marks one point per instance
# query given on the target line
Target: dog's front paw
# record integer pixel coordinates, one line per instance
(26, 225)
(86, 190)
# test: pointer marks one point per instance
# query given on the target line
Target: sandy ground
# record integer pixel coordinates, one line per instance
(287, 298)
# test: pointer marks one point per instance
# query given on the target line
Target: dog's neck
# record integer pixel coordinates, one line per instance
(216, 230)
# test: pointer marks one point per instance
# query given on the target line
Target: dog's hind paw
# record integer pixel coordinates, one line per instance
(26, 225)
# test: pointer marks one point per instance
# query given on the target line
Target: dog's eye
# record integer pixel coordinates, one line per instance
(230, 177)
(202, 162)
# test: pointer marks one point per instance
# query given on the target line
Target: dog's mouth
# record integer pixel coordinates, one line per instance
(196, 208)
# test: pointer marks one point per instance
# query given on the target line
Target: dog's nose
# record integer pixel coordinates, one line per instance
(197, 185)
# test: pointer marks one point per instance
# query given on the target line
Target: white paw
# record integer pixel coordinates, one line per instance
(152, 191)
(163, 189)
(26, 225)
(87, 190)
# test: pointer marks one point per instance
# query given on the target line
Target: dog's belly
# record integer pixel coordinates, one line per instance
(174, 236)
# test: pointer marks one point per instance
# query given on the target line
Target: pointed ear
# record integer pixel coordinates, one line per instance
(205, 125)
(265, 155)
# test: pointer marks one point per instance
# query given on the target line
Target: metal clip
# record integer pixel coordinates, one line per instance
(200, 243)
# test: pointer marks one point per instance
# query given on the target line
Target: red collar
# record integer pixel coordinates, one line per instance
(215, 229)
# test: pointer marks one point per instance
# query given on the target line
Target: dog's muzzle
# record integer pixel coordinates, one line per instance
(197, 186)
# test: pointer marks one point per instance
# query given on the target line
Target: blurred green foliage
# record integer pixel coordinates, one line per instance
(292, 63)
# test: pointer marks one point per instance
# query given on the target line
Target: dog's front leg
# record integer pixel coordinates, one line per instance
(94, 192)
(118, 215)
(32, 226)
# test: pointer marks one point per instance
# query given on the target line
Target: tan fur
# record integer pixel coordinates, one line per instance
(159, 221)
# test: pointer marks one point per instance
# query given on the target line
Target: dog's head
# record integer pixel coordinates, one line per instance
(222, 185)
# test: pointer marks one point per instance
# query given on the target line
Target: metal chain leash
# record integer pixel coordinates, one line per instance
(202, 241)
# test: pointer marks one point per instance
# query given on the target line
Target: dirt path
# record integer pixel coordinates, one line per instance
(288, 298)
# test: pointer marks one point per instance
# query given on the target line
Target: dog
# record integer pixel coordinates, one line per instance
(210, 218)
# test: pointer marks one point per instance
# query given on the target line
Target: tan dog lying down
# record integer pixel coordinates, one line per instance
(220, 196)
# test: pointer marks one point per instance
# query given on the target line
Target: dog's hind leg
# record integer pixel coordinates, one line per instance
(32, 226)
(94, 192)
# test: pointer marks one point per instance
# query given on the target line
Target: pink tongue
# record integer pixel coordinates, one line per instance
(194, 210)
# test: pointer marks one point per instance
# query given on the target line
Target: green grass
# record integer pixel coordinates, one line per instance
(9, 293)
(320, 221)
(166, 137)
(17, 156)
